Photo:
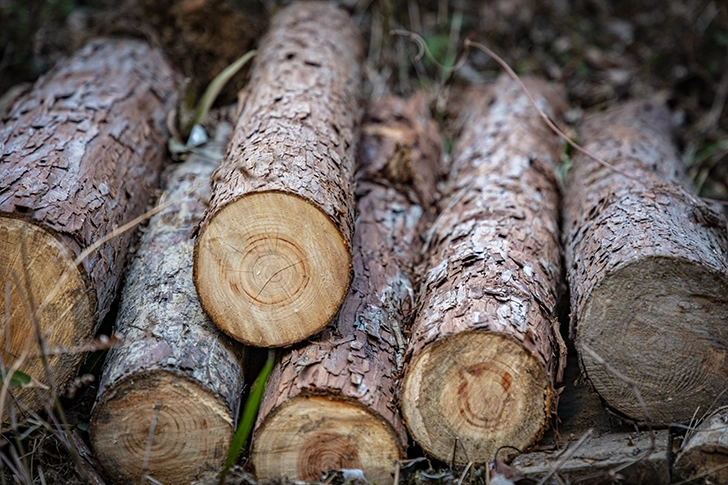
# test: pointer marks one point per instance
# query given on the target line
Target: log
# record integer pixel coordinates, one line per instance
(80, 155)
(704, 453)
(486, 351)
(274, 246)
(331, 403)
(647, 270)
(175, 372)
(625, 458)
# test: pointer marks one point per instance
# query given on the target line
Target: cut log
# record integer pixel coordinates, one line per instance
(272, 259)
(169, 396)
(647, 270)
(485, 349)
(704, 454)
(80, 155)
(331, 403)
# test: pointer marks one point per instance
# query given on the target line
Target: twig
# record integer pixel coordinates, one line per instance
(704, 474)
(148, 451)
(396, 474)
(465, 472)
(567, 456)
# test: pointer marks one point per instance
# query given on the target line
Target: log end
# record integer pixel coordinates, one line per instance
(311, 435)
(41, 284)
(466, 395)
(160, 425)
(271, 269)
(659, 321)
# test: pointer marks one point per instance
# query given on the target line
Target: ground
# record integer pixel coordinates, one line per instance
(603, 51)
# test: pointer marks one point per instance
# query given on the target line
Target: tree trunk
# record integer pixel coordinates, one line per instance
(175, 372)
(331, 403)
(704, 454)
(80, 155)
(485, 349)
(274, 245)
(647, 272)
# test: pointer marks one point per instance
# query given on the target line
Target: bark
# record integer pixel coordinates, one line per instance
(274, 245)
(331, 403)
(704, 453)
(647, 271)
(80, 155)
(486, 323)
(174, 369)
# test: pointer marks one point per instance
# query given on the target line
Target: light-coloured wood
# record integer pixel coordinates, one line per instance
(485, 350)
(285, 276)
(314, 433)
(704, 454)
(182, 426)
(272, 259)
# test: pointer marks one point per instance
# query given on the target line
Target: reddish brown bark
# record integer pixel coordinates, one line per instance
(647, 269)
(174, 367)
(80, 155)
(356, 361)
(288, 168)
(486, 324)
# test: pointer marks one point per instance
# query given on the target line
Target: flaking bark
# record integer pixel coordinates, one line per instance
(704, 453)
(296, 136)
(80, 155)
(358, 358)
(167, 332)
(647, 270)
(493, 272)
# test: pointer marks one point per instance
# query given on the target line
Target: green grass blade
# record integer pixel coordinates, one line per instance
(213, 89)
(249, 413)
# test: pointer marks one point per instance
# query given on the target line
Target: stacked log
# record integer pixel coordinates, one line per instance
(647, 271)
(272, 260)
(169, 396)
(704, 453)
(332, 403)
(80, 155)
(485, 351)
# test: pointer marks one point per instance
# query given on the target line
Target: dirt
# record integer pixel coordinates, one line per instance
(603, 51)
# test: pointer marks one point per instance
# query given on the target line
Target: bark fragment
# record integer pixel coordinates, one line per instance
(647, 270)
(175, 370)
(704, 453)
(332, 403)
(485, 349)
(80, 155)
(274, 245)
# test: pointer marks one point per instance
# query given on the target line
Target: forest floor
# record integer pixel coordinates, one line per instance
(602, 51)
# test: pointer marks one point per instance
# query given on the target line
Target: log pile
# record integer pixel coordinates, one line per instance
(273, 254)
(485, 351)
(80, 155)
(170, 395)
(332, 403)
(647, 271)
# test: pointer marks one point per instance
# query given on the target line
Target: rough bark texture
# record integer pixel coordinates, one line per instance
(292, 154)
(602, 459)
(486, 322)
(647, 270)
(79, 155)
(704, 454)
(356, 361)
(168, 340)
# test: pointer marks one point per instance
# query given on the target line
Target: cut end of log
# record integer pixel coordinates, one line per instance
(271, 269)
(41, 286)
(670, 314)
(311, 435)
(160, 425)
(469, 394)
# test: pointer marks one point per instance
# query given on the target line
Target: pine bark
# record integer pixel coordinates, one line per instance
(647, 270)
(175, 370)
(275, 243)
(332, 403)
(485, 350)
(80, 155)
(704, 454)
